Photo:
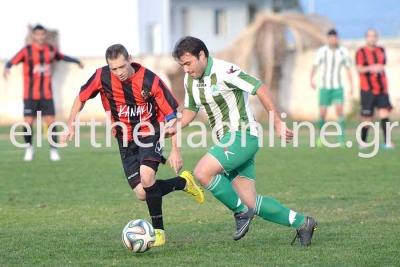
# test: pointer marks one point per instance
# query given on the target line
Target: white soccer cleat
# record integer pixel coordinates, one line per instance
(29, 153)
(54, 156)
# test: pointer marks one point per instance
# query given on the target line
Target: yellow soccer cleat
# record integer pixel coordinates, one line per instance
(160, 238)
(191, 187)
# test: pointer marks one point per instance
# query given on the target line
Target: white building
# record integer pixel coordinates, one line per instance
(87, 28)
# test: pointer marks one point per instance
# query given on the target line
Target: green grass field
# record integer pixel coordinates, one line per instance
(71, 213)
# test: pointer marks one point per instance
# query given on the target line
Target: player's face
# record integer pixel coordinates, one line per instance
(121, 67)
(192, 65)
(333, 40)
(39, 36)
(371, 37)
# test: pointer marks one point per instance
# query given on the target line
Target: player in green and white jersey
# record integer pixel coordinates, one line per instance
(329, 60)
(222, 90)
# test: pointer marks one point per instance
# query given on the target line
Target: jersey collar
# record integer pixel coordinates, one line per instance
(207, 72)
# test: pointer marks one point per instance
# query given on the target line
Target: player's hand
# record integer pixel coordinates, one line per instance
(81, 65)
(282, 130)
(175, 160)
(377, 68)
(67, 135)
(312, 84)
(169, 132)
(6, 73)
(351, 89)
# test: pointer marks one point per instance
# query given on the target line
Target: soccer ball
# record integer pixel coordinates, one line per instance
(138, 235)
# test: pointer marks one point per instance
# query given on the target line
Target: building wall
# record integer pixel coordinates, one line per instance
(86, 28)
(153, 26)
(201, 20)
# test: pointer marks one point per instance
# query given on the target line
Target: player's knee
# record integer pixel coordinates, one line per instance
(201, 176)
(139, 191)
(141, 195)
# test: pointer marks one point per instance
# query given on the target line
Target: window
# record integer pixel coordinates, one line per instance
(252, 10)
(154, 38)
(185, 22)
(220, 22)
(172, 19)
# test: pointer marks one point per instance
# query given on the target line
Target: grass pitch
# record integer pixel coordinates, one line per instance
(71, 213)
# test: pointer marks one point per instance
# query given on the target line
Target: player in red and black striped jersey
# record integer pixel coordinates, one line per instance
(138, 101)
(371, 61)
(37, 59)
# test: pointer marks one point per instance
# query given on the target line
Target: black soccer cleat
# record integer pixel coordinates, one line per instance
(306, 232)
(243, 223)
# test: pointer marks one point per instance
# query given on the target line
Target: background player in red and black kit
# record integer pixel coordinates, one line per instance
(137, 101)
(37, 58)
(371, 60)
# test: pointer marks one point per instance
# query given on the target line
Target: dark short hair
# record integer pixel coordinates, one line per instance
(114, 51)
(191, 45)
(332, 32)
(38, 27)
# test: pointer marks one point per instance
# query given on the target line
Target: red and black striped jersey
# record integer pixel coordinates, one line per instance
(373, 82)
(37, 69)
(125, 101)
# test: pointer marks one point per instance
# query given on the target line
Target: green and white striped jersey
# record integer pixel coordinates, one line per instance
(223, 93)
(331, 62)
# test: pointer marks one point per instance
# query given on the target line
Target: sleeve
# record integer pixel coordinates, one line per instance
(18, 58)
(58, 55)
(236, 79)
(189, 100)
(71, 59)
(360, 60)
(383, 55)
(346, 58)
(92, 87)
(165, 100)
(318, 58)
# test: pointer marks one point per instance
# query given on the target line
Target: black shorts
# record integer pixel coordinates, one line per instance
(133, 156)
(369, 101)
(31, 107)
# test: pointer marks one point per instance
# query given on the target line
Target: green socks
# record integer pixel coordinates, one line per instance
(271, 210)
(267, 208)
(341, 124)
(222, 190)
(321, 123)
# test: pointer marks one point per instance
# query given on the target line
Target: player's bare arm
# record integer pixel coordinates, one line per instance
(350, 79)
(376, 68)
(187, 117)
(312, 83)
(76, 107)
(267, 100)
(175, 158)
(6, 73)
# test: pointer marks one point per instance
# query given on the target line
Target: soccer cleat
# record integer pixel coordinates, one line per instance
(191, 188)
(243, 223)
(305, 233)
(54, 156)
(160, 238)
(319, 142)
(387, 146)
(361, 147)
(29, 153)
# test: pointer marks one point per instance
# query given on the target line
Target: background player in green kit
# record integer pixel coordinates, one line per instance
(222, 90)
(329, 60)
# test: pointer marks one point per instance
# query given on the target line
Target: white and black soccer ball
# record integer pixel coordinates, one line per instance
(138, 235)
